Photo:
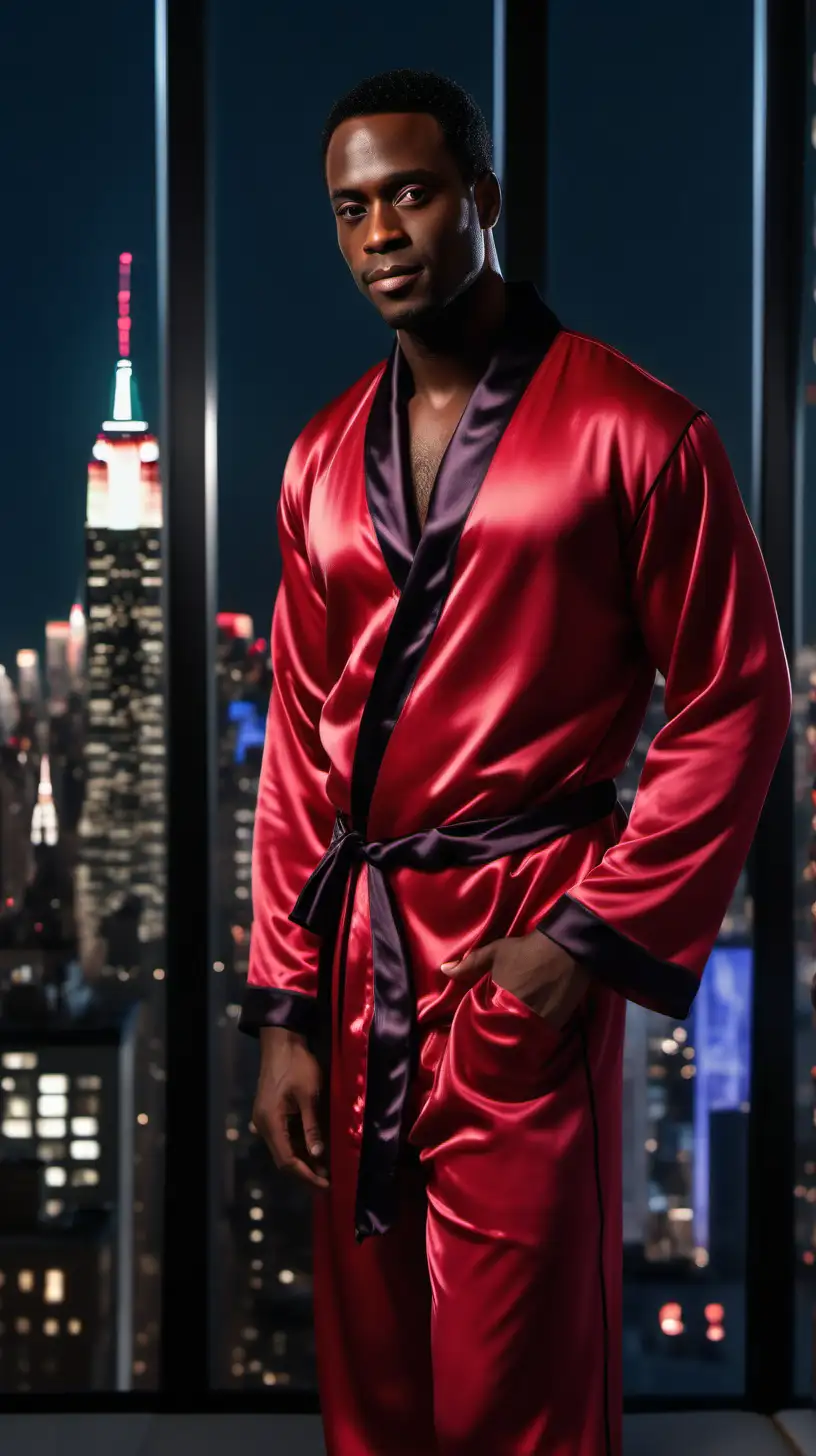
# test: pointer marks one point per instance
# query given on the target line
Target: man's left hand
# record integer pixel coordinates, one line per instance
(533, 968)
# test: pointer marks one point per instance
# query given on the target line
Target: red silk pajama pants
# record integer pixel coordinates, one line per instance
(486, 1322)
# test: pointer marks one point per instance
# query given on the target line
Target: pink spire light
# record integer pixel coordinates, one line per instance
(125, 260)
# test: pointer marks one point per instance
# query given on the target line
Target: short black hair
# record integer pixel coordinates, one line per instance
(466, 133)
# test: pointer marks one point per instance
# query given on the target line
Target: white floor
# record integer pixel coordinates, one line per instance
(703, 1434)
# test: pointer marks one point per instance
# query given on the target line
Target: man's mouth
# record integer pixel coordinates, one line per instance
(390, 280)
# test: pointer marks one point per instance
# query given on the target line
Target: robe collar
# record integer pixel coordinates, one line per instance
(529, 330)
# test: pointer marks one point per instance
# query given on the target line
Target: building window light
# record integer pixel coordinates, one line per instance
(85, 1151)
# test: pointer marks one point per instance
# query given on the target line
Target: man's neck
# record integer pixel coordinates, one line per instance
(451, 354)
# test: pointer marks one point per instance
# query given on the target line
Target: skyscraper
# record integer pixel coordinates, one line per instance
(76, 647)
(66, 1264)
(9, 706)
(57, 645)
(28, 676)
(121, 832)
(117, 662)
(17, 791)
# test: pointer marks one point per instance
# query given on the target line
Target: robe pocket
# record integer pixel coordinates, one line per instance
(509, 1045)
(498, 1050)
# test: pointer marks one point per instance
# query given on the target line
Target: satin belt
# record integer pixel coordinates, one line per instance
(392, 1039)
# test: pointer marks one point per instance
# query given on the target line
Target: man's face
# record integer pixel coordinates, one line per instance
(401, 204)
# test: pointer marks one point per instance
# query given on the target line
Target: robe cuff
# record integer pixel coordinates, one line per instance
(270, 1006)
(630, 970)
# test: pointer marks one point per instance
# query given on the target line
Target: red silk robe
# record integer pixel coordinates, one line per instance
(585, 530)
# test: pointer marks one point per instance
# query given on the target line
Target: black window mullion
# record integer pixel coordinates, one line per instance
(188, 396)
(521, 134)
(782, 63)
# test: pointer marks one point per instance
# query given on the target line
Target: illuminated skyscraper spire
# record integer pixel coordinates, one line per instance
(127, 410)
(44, 829)
(123, 479)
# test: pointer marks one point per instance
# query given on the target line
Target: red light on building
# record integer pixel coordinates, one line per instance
(670, 1319)
(671, 1311)
(123, 299)
(237, 624)
(715, 1314)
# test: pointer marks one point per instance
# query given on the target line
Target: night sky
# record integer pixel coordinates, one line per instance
(650, 247)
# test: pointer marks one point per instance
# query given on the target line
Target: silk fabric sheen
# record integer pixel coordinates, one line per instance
(585, 529)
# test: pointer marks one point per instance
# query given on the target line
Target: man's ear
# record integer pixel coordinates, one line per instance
(488, 196)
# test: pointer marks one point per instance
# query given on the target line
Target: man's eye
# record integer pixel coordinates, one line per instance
(404, 196)
(347, 210)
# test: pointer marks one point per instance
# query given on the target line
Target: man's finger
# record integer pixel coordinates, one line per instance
(308, 1105)
(471, 962)
(284, 1154)
(312, 1137)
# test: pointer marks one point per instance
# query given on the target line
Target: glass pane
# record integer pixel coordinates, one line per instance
(293, 333)
(630, 264)
(81, 708)
(804, 727)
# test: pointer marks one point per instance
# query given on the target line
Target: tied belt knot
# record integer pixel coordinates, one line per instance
(320, 902)
(392, 1039)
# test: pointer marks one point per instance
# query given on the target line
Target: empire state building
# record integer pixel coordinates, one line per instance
(120, 883)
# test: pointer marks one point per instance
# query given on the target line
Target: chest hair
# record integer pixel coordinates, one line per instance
(430, 437)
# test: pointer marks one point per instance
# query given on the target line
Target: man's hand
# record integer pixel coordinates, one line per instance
(285, 1110)
(533, 968)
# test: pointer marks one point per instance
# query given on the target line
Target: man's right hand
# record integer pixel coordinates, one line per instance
(285, 1111)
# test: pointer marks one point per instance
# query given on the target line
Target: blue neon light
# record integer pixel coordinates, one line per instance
(721, 1035)
(251, 726)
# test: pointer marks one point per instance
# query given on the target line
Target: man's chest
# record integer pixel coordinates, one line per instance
(429, 432)
(529, 512)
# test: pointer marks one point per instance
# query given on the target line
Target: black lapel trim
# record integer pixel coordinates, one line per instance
(387, 468)
(422, 569)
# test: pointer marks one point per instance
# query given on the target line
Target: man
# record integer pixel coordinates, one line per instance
(489, 545)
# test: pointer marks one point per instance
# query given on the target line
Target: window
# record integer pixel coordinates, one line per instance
(677, 299)
(81, 712)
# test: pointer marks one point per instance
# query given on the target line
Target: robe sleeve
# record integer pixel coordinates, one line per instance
(293, 818)
(646, 919)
